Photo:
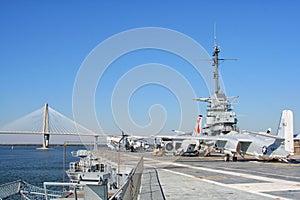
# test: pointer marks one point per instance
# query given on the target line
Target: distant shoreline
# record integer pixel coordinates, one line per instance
(41, 145)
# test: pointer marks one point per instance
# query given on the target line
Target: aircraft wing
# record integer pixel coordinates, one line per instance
(264, 135)
(136, 137)
(230, 143)
(225, 142)
(182, 133)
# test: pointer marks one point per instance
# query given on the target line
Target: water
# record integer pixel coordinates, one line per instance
(34, 166)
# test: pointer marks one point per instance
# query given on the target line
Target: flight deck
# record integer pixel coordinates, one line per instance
(174, 177)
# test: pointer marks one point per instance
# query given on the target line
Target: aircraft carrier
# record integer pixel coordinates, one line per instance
(210, 177)
(178, 177)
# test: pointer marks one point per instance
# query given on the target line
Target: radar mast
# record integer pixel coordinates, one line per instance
(216, 52)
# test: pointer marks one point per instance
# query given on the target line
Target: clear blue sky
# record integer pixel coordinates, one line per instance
(43, 43)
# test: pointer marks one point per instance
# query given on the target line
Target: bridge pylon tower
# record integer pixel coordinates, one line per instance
(46, 129)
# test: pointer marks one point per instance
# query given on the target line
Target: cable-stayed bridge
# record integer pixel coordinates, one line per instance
(46, 121)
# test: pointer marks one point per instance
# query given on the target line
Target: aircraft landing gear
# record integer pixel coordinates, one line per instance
(234, 158)
(227, 158)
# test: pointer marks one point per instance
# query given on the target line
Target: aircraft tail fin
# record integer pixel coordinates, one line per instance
(197, 129)
(286, 130)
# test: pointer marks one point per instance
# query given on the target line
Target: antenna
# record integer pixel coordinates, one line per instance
(215, 34)
(216, 60)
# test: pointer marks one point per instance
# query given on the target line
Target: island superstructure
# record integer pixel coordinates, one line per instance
(220, 118)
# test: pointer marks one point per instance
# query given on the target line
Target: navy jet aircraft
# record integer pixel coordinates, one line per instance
(262, 145)
(183, 143)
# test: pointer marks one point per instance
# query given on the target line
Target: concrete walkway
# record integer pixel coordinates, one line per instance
(150, 185)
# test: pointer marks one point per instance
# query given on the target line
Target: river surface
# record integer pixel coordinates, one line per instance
(34, 166)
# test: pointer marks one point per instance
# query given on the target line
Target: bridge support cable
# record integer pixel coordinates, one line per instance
(47, 121)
